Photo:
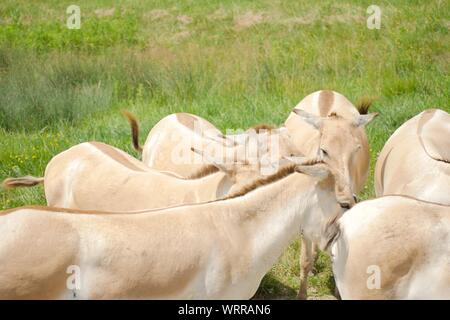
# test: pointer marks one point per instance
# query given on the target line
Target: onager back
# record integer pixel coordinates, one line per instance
(415, 161)
(96, 176)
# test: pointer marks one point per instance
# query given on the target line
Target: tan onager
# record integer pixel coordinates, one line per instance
(415, 161)
(215, 250)
(393, 247)
(96, 176)
(326, 124)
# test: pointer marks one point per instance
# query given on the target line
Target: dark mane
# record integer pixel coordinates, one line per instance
(262, 126)
(203, 172)
(259, 182)
(364, 104)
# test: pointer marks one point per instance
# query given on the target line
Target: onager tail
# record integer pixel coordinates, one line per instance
(21, 182)
(134, 129)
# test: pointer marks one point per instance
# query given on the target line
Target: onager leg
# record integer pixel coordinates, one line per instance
(308, 255)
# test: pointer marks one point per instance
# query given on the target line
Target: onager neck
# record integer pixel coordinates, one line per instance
(271, 216)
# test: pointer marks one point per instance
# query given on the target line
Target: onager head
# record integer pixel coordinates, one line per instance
(339, 144)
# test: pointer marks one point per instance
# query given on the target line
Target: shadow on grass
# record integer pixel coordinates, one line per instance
(272, 288)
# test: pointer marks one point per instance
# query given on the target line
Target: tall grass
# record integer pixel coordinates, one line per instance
(36, 92)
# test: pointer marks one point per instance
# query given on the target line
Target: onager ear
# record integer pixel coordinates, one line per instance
(212, 161)
(312, 119)
(364, 119)
(319, 171)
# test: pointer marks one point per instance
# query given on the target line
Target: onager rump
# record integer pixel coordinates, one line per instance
(214, 250)
(393, 247)
(172, 138)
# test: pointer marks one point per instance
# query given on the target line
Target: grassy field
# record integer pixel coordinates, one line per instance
(235, 63)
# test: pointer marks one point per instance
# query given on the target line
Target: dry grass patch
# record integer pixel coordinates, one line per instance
(248, 20)
(157, 14)
(181, 35)
(103, 12)
(184, 19)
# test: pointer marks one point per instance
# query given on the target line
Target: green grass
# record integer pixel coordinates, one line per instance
(59, 87)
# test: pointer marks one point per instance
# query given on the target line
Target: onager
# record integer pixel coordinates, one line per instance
(327, 125)
(415, 161)
(393, 247)
(215, 250)
(96, 176)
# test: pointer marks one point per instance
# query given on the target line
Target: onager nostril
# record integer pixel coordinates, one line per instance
(345, 205)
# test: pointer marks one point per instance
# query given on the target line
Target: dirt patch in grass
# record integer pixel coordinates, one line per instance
(105, 12)
(184, 19)
(157, 14)
(339, 14)
(447, 24)
(342, 14)
(181, 35)
(248, 20)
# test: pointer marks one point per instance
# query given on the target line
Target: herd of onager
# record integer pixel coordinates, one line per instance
(206, 215)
